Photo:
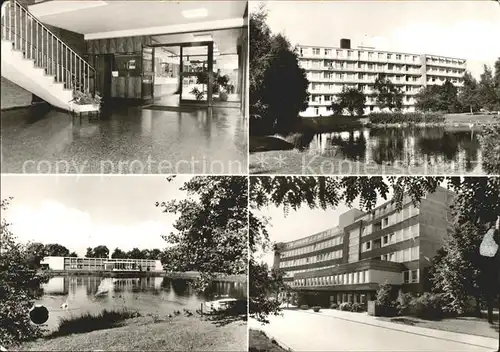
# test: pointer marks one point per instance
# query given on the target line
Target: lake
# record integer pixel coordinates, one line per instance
(436, 148)
(147, 295)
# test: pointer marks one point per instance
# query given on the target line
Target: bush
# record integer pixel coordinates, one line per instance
(316, 308)
(89, 322)
(356, 307)
(346, 306)
(404, 303)
(304, 307)
(411, 117)
(334, 306)
(428, 306)
(19, 287)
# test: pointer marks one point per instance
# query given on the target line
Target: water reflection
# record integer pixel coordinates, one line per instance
(155, 295)
(457, 149)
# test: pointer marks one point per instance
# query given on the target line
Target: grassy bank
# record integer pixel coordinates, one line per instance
(106, 319)
(259, 342)
(330, 163)
(179, 333)
(462, 325)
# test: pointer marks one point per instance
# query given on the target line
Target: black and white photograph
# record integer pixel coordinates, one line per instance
(374, 264)
(250, 175)
(374, 87)
(143, 87)
(147, 263)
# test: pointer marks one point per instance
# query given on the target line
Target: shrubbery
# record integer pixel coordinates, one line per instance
(346, 306)
(316, 308)
(411, 117)
(19, 288)
(404, 303)
(304, 307)
(357, 307)
(334, 306)
(428, 306)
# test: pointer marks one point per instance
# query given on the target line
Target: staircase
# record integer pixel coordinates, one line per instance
(35, 59)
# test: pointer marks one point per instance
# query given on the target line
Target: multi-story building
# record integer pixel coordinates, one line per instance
(329, 69)
(100, 264)
(348, 262)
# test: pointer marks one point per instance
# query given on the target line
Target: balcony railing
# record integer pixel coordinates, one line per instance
(39, 44)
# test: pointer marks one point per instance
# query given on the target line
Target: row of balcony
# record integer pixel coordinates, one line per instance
(363, 69)
(382, 57)
(379, 70)
(357, 80)
(364, 58)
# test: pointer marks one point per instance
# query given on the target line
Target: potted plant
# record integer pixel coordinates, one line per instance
(316, 309)
(85, 102)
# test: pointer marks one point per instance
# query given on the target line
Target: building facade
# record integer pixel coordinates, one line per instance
(347, 263)
(100, 264)
(329, 69)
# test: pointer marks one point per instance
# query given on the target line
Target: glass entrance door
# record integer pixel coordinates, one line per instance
(148, 73)
(196, 74)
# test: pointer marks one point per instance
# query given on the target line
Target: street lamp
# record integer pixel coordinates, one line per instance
(490, 249)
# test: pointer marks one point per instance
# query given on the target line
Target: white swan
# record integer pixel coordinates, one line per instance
(65, 305)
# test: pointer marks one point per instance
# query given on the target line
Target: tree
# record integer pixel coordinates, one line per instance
(97, 252)
(73, 254)
(388, 95)
(265, 282)
(56, 250)
(284, 88)
(119, 254)
(278, 86)
(211, 231)
(457, 273)
(90, 253)
(35, 252)
(496, 83)
(469, 94)
(427, 98)
(448, 99)
(491, 148)
(487, 92)
(478, 198)
(439, 98)
(135, 253)
(19, 287)
(351, 99)
(155, 254)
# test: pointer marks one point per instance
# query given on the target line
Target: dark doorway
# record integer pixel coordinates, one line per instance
(106, 79)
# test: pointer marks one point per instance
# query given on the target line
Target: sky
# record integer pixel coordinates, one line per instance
(303, 222)
(86, 211)
(463, 29)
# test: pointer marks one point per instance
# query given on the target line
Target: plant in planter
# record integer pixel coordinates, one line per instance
(85, 98)
(316, 308)
(199, 95)
(220, 84)
(84, 102)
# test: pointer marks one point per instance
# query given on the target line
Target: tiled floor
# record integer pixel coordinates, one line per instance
(129, 140)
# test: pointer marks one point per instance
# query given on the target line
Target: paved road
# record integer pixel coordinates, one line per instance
(302, 331)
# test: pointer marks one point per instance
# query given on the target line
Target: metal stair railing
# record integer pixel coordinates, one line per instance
(38, 43)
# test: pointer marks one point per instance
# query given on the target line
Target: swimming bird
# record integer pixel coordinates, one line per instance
(65, 305)
(170, 315)
(177, 312)
(471, 124)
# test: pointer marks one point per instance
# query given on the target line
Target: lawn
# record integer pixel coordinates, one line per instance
(467, 118)
(259, 342)
(329, 163)
(462, 325)
(180, 333)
